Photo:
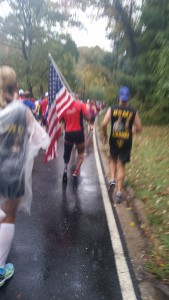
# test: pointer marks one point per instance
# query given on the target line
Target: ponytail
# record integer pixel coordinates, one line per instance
(8, 85)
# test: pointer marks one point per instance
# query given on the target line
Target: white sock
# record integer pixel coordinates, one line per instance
(6, 237)
(118, 193)
(112, 180)
(2, 215)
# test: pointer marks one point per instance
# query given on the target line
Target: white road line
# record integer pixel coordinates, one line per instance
(126, 284)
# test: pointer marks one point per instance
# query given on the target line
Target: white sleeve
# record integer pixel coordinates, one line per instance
(38, 138)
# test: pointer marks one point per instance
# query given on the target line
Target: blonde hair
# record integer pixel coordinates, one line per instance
(8, 85)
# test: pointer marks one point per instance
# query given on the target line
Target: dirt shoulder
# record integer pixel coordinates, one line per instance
(132, 220)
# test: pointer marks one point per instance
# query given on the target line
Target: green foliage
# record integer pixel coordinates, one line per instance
(165, 240)
(139, 58)
(152, 62)
(162, 69)
(95, 92)
(149, 177)
(139, 55)
(158, 115)
(154, 220)
(161, 270)
(111, 95)
(92, 76)
(28, 34)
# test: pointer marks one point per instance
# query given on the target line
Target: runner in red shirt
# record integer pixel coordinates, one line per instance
(43, 108)
(74, 134)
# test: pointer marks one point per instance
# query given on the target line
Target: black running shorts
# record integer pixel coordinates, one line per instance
(123, 154)
(74, 137)
(71, 138)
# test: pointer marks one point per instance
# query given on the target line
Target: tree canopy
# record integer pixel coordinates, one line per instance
(138, 31)
(28, 33)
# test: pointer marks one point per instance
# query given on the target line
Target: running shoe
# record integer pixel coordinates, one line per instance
(111, 185)
(118, 198)
(64, 178)
(6, 273)
(76, 173)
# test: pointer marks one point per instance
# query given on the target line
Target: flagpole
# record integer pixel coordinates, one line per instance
(60, 73)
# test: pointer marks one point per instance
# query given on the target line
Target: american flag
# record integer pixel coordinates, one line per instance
(59, 100)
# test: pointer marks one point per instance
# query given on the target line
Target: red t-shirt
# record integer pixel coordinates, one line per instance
(73, 116)
(43, 106)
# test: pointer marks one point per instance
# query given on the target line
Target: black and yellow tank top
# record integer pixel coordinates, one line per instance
(122, 119)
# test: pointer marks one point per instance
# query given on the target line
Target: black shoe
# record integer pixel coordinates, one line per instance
(64, 179)
(111, 186)
(118, 198)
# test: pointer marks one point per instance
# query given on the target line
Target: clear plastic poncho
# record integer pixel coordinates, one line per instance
(21, 138)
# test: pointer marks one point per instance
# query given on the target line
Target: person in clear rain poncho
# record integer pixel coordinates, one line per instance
(21, 137)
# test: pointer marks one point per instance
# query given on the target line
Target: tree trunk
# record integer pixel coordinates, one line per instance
(125, 21)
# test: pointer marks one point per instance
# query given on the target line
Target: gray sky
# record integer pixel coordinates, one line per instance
(95, 33)
(93, 36)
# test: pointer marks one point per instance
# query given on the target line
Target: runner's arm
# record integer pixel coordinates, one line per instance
(87, 117)
(137, 123)
(85, 113)
(105, 123)
(33, 108)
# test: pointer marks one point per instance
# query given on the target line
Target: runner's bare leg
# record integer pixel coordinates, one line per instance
(113, 167)
(120, 175)
(80, 157)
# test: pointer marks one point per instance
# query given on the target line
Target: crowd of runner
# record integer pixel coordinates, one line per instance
(39, 107)
(72, 124)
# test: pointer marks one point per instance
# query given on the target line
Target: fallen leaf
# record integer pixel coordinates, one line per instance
(145, 198)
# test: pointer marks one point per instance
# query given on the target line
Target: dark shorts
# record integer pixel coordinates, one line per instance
(123, 154)
(12, 175)
(44, 120)
(12, 190)
(74, 137)
(71, 138)
(92, 120)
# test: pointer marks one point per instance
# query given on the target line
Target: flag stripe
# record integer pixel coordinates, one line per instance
(59, 100)
(52, 115)
(54, 126)
(60, 97)
(64, 106)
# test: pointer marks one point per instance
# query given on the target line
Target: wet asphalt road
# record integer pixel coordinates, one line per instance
(63, 250)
